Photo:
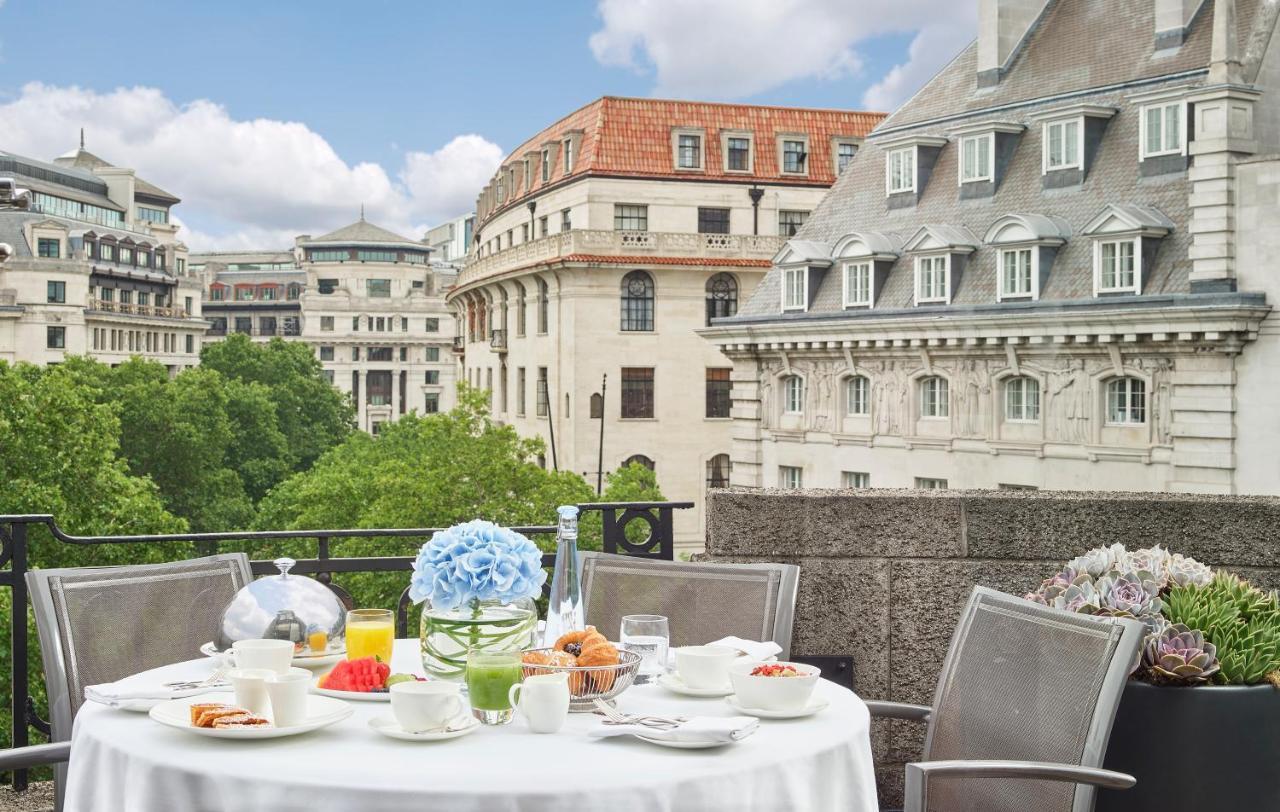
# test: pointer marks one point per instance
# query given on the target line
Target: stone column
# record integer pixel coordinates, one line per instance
(1204, 430)
(395, 392)
(362, 398)
(745, 450)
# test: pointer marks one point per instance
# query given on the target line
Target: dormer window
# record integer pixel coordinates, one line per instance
(977, 155)
(802, 265)
(688, 149)
(857, 284)
(546, 165)
(932, 279)
(1163, 129)
(794, 155)
(901, 171)
(941, 252)
(1062, 147)
(1126, 238)
(1017, 270)
(1070, 139)
(568, 156)
(986, 149)
(908, 163)
(1026, 246)
(1117, 265)
(736, 147)
(864, 259)
(844, 150)
(795, 296)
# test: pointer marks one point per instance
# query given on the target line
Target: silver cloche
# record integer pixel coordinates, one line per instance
(284, 607)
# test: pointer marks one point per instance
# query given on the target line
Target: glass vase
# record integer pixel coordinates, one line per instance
(447, 635)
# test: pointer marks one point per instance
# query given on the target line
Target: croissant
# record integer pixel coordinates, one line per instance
(592, 649)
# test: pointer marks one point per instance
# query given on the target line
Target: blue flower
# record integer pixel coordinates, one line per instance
(476, 560)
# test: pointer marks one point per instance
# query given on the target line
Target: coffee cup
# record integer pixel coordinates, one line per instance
(543, 700)
(250, 685)
(288, 695)
(704, 666)
(273, 654)
(424, 706)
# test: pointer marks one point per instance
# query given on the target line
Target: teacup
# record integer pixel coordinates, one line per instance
(543, 699)
(288, 695)
(250, 685)
(273, 654)
(704, 666)
(422, 706)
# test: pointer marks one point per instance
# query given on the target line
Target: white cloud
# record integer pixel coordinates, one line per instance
(732, 49)
(246, 183)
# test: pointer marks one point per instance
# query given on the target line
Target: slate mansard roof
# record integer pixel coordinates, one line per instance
(1094, 52)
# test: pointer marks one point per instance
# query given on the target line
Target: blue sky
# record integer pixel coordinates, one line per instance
(409, 105)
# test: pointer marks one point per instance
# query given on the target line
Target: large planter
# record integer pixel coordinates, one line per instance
(447, 634)
(1196, 749)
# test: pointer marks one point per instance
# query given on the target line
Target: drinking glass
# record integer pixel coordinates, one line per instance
(490, 675)
(370, 633)
(648, 636)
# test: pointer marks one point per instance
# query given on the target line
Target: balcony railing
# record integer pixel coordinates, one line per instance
(130, 309)
(286, 332)
(459, 344)
(498, 340)
(593, 242)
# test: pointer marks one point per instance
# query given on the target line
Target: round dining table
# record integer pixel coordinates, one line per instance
(123, 760)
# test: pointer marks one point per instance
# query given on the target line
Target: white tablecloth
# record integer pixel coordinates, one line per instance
(124, 761)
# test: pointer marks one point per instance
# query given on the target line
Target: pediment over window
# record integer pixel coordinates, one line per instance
(868, 245)
(1129, 218)
(1038, 229)
(804, 252)
(942, 239)
(51, 224)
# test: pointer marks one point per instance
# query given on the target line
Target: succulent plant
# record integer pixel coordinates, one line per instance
(1241, 621)
(1179, 655)
(1186, 571)
(1098, 561)
(1153, 560)
(1130, 593)
(1079, 596)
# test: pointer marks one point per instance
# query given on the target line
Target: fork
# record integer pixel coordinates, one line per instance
(615, 717)
(214, 680)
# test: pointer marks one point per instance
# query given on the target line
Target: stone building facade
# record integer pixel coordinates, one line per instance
(602, 242)
(1048, 269)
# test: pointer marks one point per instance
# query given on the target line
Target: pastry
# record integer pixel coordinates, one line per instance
(240, 720)
(200, 707)
(210, 716)
(548, 662)
(592, 649)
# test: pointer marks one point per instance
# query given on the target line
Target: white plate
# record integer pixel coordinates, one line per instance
(816, 703)
(321, 712)
(354, 696)
(673, 683)
(305, 659)
(388, 726)
(683, 745)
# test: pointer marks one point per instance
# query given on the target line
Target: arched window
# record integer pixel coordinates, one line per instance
(520, 309)
(718, 468)
(640, 459)
(793, 394)
(542, 306)
(934, 397)
(722, 297)
(1127, 401)
(857, 396)
(637, 302)
(1022, 399)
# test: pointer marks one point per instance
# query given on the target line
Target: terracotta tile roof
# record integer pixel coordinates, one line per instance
(632, 138)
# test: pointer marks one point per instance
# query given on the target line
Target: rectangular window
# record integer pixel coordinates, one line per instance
(689, 151)
(543, 228)
(355, 324)
(931, 483)
(845, 150)
(126, 297)
(378, 288)
(931, 279)
(267, 326)
(244, 324)
(738, 154)
(1117, 271)
(566, 221)
(150, 215)
(857, 284)
(355, 353)
(432, 403)
(975, 157)
(431, 377)
(541, 395)
(106, 252)
(56, 292)
(789, 222)
(546, 165)
(524, 232)
(630, 218)
(326, 324)
(56, 338)
(1015, 272)
(182, 266)
(433, 355)
(191, 343)
(404, 324)
(1022, 399)
(857, 396)
(790, 477)
(326, 353)
(637, 392)
(520, 388)
(713, 221)
(568, 156)
(935, 399)
(49, 248)
(1162, 129)
(794, 294)
(327, 286)
(126, 256)
(855, 479)
(794, 157)
(1127, 401)
(331, 255)
(900, 170)
(376, 256)
(1062, 145)
(718, 387)
(188, 304)
(380, 354)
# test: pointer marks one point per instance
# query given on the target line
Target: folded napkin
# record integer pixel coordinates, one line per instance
(754, 649)
(697, 729)
(141, 697)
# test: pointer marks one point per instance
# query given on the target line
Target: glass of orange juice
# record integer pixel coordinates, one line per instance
(370, 633)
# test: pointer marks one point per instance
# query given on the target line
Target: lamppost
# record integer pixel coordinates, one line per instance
(756, 194)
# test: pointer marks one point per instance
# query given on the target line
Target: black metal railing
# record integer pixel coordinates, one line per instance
(658, 542)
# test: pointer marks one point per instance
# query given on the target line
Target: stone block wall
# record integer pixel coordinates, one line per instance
(885, 573)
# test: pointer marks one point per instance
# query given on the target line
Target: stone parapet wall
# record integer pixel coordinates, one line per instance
(885, 573)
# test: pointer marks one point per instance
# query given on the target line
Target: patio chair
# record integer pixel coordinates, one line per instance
(1022, 711)
(101, 624)
(702, 601)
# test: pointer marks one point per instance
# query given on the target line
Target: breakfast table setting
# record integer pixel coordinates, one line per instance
(301, 705)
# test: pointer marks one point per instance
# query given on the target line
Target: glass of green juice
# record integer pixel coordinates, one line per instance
(490, 675)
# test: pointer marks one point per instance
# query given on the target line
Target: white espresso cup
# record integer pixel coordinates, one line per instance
(273, 654)
(704, 666)
(288, 694)
(543, 700)
(250, 685)
(422, 706)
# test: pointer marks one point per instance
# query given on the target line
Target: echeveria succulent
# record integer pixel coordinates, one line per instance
(1186, 571)
(1130, 593)
(1152, 560)
(1179, 655)
(1098, 561)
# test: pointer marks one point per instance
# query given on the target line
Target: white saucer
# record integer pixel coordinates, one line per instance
(321, 712)
(683, 745)
(304, 659)
(816, 703)
(673, 683)
(388, 726)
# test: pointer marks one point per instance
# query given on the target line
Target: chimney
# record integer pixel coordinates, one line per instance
(1173, 18)
(1002, 26)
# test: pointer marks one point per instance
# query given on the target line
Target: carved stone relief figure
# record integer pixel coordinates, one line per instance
(768, 404)
(1067, 412)
(1161, 405)
(972, 387)
(821, 400)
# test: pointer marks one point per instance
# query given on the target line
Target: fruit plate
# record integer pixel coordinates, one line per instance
(305, 659)
(354, 696)
(321, 712)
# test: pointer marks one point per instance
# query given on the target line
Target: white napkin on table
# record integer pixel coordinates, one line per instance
(697, 729)
(754, 649)
(139, 697)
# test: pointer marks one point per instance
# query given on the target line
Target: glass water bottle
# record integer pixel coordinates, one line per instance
(564, 611)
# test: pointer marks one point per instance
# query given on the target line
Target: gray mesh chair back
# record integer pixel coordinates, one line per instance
(101, 624)
(702, 601)
(1029, 683)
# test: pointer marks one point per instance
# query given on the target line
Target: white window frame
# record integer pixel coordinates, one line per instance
(679, 133)
(790, 477)
(850, 296)
(783, 138)
(747, 136)
(986, 145)
(1046, 132)
(787, 274)
(946, 279)
(1033, 291)
(1098, 251)
(1128, 381)
(568, 155)
(850, 401)
(1024, 383)
(855, 479)
(793, 394)
(544, 170)
(889, 160)
(1181, 148)
(941, 398)
(930, 483)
